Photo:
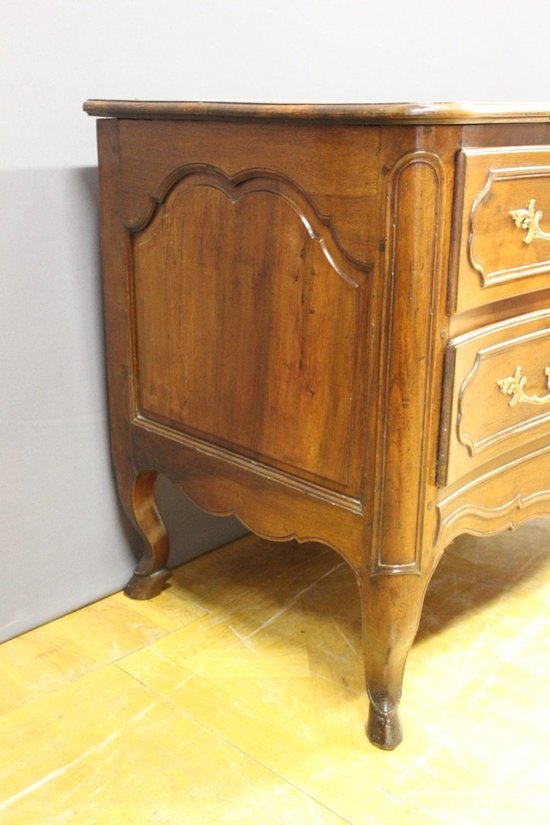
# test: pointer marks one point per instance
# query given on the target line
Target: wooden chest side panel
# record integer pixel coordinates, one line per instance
(246, 317)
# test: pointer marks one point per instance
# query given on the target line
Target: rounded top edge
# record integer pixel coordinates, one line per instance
(403, 113)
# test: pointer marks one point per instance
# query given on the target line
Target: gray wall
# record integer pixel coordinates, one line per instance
(64, 542)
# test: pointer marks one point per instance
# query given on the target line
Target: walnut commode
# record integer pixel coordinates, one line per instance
(333, 322)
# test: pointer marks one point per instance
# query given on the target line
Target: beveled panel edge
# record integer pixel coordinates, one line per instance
(496, 468)
(508, 149)
(257, 467)
(262, 503)
(500, 326)
(490, 521)
(396, 113)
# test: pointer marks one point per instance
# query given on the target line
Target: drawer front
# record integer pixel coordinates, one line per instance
(502, 225)
(497, 393)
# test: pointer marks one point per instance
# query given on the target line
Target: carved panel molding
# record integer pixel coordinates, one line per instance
(319, 227)
(255, 241)
(504, 508)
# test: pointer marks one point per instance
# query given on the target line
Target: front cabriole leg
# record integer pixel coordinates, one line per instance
(391, 608)
(151, 574)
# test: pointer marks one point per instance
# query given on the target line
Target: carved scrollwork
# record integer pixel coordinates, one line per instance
(529, 219)
(514, 386)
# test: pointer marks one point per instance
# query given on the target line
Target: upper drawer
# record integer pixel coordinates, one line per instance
(502, 225)
(497, 393)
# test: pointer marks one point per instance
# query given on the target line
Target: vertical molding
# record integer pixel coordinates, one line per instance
(414, 215)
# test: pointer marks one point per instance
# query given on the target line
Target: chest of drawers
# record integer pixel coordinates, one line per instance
(334, 323)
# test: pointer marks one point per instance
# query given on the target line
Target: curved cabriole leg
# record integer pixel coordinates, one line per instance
(391, 607)
(150, 575)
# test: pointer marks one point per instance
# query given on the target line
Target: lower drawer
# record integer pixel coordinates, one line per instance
(496, 394)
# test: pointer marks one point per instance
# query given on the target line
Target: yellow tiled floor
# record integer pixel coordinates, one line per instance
(236, 696)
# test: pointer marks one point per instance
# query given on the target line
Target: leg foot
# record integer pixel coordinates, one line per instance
(391, 607)
(150, 575)
(384, 727)
(146, 587)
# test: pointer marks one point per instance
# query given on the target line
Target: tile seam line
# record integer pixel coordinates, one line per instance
(188, 715)
(94, 668)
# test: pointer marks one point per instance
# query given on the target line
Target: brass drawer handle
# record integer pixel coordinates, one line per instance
(529, 219)
(514, 386)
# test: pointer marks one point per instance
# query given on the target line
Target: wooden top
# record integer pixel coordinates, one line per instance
(396, 113)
